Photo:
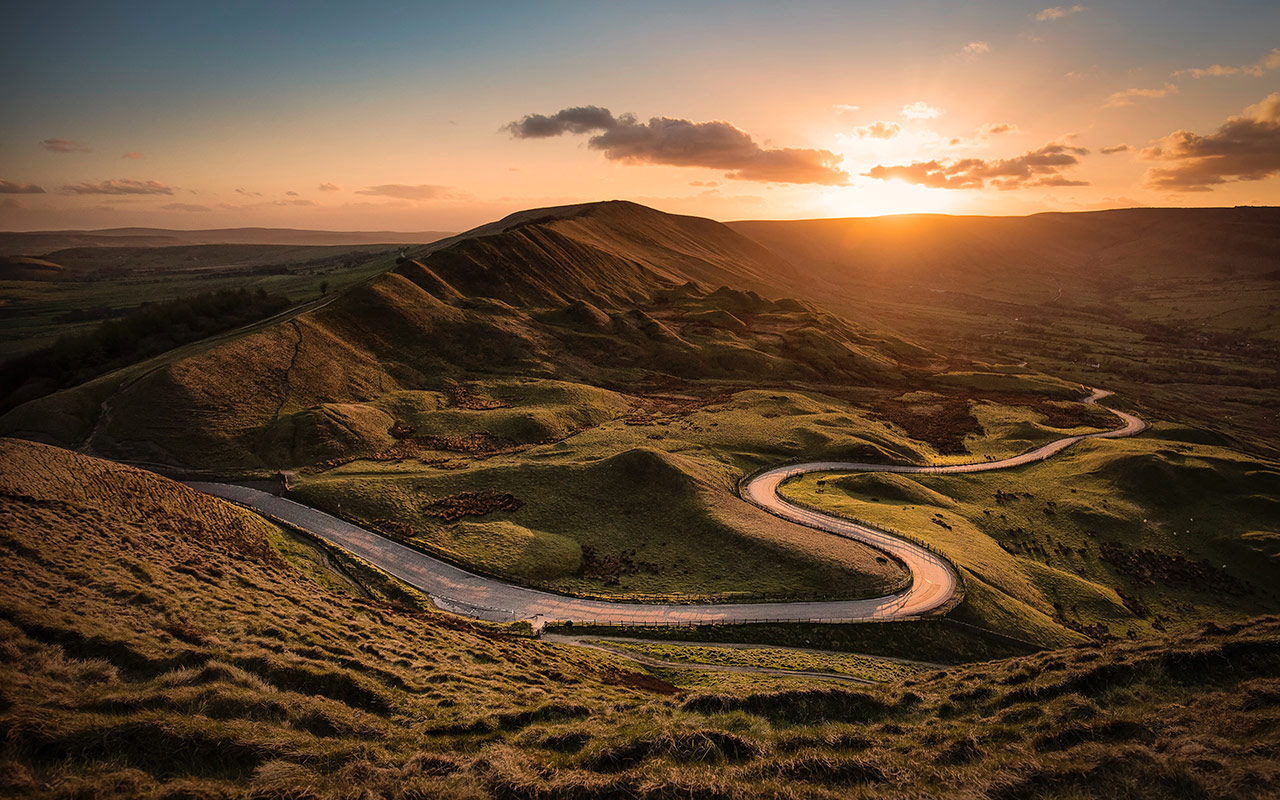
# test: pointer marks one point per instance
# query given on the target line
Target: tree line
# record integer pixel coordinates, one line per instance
(151, 329)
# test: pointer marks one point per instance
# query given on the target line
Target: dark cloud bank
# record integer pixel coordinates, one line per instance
(682, 143)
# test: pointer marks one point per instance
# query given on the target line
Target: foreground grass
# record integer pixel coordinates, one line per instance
(857, 666)
(154, 644)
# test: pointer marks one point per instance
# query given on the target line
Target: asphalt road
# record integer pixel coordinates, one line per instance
(934, 580)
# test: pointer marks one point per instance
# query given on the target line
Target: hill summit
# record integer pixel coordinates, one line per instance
(612, 294)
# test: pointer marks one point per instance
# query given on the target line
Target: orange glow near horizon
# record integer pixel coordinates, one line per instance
(440, 122)
(889, 197)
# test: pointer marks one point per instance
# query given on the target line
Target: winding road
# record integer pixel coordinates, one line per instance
(935, 582)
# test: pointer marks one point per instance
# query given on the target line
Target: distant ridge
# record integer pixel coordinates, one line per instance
(964, 252)
(40, 242)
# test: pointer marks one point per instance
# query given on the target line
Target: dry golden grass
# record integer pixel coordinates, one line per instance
(152, 645)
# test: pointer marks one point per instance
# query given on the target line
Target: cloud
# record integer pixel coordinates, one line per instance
(66, 146)
(976, 49)
(1058, 12)
(1257, 69)
(9, 187)
(403, 191)
(291, 194)
(119, 186)
(248, 193)
(1126, 97)
(1245, 148)
(132, 155)
(1119, 148)
(1041, 167)
(921, 110)
(708, 184)
(881, 129)
(997, 128)
(329, 187)
(846, 107)
(185, 207)
(682, 143)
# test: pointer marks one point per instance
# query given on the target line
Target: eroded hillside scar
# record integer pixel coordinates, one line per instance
(293, 359)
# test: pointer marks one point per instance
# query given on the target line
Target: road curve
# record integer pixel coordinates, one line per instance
(934, 580)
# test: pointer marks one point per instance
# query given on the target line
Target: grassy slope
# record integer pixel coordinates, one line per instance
(27, 319)
(422, 327)
(631, 475)
(1127, 535)
(151, 644)
(1173, 307)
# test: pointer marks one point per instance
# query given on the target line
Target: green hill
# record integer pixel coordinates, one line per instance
(155, 642)
(507, 300)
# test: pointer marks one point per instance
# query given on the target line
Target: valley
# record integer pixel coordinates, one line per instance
(507, 470)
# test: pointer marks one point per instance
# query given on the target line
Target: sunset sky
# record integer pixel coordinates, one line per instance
(416, 116)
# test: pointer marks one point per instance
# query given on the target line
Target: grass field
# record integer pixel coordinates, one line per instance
(122, 278)
(1120, 537)
(154, 643)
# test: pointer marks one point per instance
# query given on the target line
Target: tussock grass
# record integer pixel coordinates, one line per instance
(153, 644)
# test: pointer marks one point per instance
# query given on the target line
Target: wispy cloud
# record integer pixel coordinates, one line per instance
(329, 187)
(846, 107)
(65, 146)
(1244, 148)
(1118, 148)
(421, 191)
(1040, 167)
(921, 110)
(880, 129)
(976, 49)
(10, 187)
(118, 186)
(1257, 69)
(1127, 97)
(997, 128)
(132, 155)
(1058, 12)
(683, 143)
(185, 207)
(248, 193)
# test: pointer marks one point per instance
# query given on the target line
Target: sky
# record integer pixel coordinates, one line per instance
(425, 116)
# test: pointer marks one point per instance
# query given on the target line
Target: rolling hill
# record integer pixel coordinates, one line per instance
(986, 255)
(612, 294)
(1177, 306)
(155, 642)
